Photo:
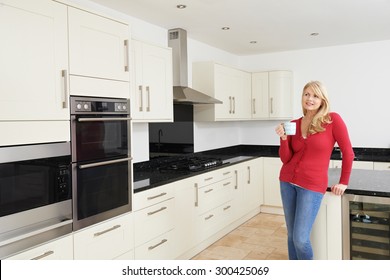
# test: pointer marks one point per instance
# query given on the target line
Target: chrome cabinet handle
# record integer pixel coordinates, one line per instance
(141, 106)
(227, 207)
(126, 56)
(148, 92)
(249, 174)
(236, 186)
(230, 104)
(209, 217)
(44, 255)
(84, 166)
(226, 184)
(196, 195)
(234, 105)
(226, 173)
(272, 105)
(102, 119)
(209, 178)
(254, 106)
(156, 196)
(158, 244)
(159, 210)
(64, 74)
(97, 234)
(209, 190)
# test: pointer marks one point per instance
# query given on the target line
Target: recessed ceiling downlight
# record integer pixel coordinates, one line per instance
(314, 34)
(181, 6)
(253, 42)
(225, 28)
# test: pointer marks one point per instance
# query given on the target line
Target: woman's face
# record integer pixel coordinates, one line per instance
(310, 100)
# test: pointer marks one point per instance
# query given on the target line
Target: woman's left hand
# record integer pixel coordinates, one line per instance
(339, 189)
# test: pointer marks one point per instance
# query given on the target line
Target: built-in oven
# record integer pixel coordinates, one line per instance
(35, 195)
(366, 227)
(101, 159)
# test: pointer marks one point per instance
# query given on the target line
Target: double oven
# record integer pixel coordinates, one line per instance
(101, 159)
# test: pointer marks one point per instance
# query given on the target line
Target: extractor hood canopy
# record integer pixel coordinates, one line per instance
(177, 40)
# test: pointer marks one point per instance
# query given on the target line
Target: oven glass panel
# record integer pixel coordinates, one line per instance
(369, 231)
(102, 188)
(101, 139)
(25, 185)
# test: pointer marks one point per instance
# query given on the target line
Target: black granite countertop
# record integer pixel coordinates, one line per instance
(147, 174)
(364, 182)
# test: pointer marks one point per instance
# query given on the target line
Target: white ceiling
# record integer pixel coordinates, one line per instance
(276, 25)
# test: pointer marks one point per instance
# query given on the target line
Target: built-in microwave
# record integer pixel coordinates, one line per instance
(35, 195)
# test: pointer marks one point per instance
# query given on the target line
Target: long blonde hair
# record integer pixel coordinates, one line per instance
(322, 117)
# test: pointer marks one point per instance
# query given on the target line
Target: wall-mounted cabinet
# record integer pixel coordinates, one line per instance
(231, 86)
(272, 95)
(33, 80)
(99, 55)
(152, 90)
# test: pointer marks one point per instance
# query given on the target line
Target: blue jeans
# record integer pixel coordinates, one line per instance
(300, 210)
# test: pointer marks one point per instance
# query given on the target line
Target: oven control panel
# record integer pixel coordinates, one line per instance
(93, 105)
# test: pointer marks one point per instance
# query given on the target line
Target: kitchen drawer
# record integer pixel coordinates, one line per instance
(160, 248)
(60, 249)
(211, 196)
(382, 166)
(214, 176)
(153, 196)
(214, 220)
(105, 241)
(153, 221)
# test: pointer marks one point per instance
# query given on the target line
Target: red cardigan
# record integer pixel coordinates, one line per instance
(306, 161)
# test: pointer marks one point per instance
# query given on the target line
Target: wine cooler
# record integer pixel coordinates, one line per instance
(366, 227)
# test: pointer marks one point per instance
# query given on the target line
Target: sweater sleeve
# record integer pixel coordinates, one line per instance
(340, 133)
(285, 151)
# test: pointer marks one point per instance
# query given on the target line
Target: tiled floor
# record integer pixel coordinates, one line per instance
(264, 237)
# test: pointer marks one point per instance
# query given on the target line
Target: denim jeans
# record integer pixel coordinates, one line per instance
(300, 210)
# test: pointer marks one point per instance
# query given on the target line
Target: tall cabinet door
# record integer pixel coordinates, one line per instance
(98, 46)
(34, 61)
(281, 94)
(260, 99)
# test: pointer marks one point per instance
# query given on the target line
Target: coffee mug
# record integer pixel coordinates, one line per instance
(290, 128)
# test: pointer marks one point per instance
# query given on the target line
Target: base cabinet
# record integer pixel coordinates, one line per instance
(271, 183)
(326, 236)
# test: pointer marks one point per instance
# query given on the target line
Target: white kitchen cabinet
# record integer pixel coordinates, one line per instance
(326, 235)
(152, 90)
(59, 249)
(272, 95)
(33, 80)
(272, 198)
(160, 248)
(382, 166)
(152, 196)
(105, 241)
(99, 55)
(231, 86)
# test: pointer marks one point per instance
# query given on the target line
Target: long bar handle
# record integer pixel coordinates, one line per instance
(234, 105)
(105, 231)
(156, 196)
(254, 106)
(158, 244)
(126, 56)
(44, 255)
(236, 173)
(156, 211)
(64, 74)
(96, 164)
(272, 105)
(141, 106)
(103, 119)
(249, 174)
(230, 104)
(148, 93)
(196, 195)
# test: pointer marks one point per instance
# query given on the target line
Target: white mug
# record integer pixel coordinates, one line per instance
(290, 128)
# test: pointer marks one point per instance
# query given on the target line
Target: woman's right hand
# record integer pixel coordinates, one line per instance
(280, 132)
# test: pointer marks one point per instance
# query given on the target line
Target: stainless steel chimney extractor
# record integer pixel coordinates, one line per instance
(182, 94)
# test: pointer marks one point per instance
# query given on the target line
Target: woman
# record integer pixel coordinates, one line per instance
(304, 174)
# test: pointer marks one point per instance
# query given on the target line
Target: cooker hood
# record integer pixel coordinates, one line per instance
(182, 94)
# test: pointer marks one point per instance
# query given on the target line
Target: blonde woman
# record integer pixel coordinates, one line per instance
(304, 174)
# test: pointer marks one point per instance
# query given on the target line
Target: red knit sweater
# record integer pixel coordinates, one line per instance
(306, 161)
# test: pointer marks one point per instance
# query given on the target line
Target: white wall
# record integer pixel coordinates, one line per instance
(355, 75)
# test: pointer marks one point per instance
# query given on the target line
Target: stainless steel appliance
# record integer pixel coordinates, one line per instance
(366, 227)
(35, 195)
(101, 162)
(190, 163)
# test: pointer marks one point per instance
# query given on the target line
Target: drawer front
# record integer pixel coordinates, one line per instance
(214, 195)
(214, 220)
(105, 241)
(160, 248)
(214, 176)
(153, 221)
(382, 166)
(60, 249)
(153, 196)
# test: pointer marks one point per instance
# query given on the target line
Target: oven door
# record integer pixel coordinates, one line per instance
(100, 137)
(101, 190)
